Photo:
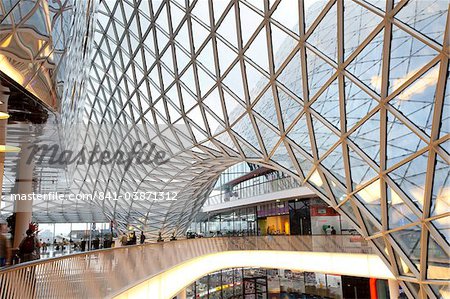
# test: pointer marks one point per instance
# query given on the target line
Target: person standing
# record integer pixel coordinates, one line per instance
(333, 231)
(83, 244)
(133, 240)
(142, 237)
(4, 247)
(29, 247)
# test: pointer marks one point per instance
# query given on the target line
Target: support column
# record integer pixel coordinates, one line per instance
(182, 294)
(4, 95)
(394, 289)
(23, 187)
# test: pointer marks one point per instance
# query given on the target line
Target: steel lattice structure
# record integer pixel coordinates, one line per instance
(351, 98)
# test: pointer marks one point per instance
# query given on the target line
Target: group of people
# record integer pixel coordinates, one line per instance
(330, 230)
(28, 250)
(131, 239)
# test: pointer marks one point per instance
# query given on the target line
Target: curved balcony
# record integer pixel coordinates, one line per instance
(131, 270)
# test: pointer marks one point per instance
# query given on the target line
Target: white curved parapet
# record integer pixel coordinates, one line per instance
(169, 283)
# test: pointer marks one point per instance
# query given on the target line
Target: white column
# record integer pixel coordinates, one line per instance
(24, 186)
(394, 289)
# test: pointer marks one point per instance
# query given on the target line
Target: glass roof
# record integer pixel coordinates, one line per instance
(350, 97)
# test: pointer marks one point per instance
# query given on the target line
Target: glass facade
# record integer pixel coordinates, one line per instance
(351, 98)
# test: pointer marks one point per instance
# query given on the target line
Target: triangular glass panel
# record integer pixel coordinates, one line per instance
(300, 134)
(257, 51)
(399, 214)
(281, 156)
(269, 137)
(188, 100)
(361, 172)
(176, 14)
(196, 116)
(213, 101)
(417, 101)
(438, 260)
(265, 107)
(367, 137)
(282, 45)
(227, 28)
(244, 128)
(287, 14)
(317, 181)
(205, 81)
(234, 108)
(173, 112)
(325, 138)
(440, 200)
(200, 136)
(324, 37)
(291, 76)
(445, 118)
(441, 224)
(250, 20)
(370, 196)
(367, 64)
(161, 39)
(233, 81)
(226, 56)
(290, 108)
(182, 37)
(256, 81)
(338, 191)
(357, 103)
(318, 72)
(188, 78)
(334, 163)
(373, 227)
(427, 17)
(327, 104)
(401, 142)
(249, 152)
(167, 59)
(206, 56)
(410, 178)
(213, 121)
(201, 11)
(359, 22)
(409, 241)
(199, 33)
(305, 164)
(408, 55)
(312, 11)
(182, 59)
(219, 7)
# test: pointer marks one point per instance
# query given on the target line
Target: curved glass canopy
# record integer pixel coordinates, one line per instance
(350, 97)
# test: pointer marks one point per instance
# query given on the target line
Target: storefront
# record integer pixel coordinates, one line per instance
(310, 216)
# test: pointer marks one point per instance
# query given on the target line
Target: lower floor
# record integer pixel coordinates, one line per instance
(256, 283)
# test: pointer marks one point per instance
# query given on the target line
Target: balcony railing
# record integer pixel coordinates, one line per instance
(266, 187)
(107, 272)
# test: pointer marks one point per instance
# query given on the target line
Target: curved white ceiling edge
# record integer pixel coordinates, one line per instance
(169, 283)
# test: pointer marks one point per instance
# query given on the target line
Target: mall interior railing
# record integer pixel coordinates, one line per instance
(108, 272)
(265, 187)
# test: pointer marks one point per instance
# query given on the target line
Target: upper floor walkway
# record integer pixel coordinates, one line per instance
(161, 270)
